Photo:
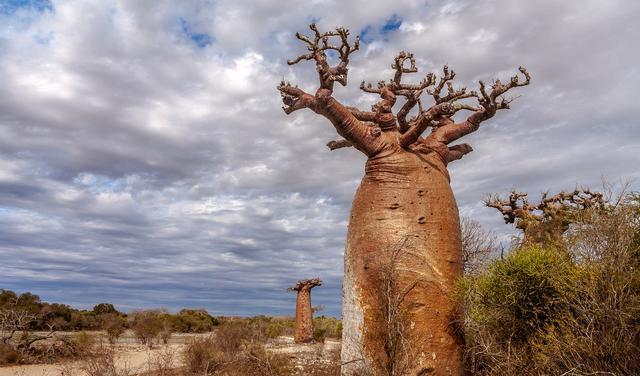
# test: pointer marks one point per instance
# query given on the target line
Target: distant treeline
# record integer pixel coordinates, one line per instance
(103, 316)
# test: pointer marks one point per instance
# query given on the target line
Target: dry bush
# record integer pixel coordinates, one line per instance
(113, 325)
(9, 355)
(282, 327)
(573, 310)
(146, 325)
(201, 356)
(163, 362)
(393, 314)
(221, 355)
(603, 331)
(509, 304)
(477, 245)
(99, 360)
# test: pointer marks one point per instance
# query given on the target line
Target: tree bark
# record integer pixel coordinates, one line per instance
(304, 317)
(405, 200)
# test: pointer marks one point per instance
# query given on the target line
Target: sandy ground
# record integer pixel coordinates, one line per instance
(285, 345)
(135, 358)
(307, 357)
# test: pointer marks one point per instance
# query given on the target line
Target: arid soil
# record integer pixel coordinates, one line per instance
(136, 358)
(307, 356)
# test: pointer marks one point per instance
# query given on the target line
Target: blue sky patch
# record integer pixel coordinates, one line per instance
(9, 7)
(371, 33)
(201, 40)
(392, 24)
(365, 34)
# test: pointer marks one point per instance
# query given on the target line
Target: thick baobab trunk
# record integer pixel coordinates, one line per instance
(404, 207)
(304, 317)
(403, 251)
(304, 312)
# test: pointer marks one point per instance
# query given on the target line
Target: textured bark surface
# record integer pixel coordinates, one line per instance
(304, 312)
(403, 252)
(403, 196)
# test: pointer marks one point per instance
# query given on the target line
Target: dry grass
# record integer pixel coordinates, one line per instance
(571, 311)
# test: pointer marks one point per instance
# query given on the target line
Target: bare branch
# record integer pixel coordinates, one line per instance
(338, 144)
(493, 101)
(427, 118)
(318, 45)
(551, 217)
(295, 98)
(456, 152)
(447, 76)
(306, 283)
(477, 245)
(370, 89)
(362, 115)
(489, 102)
(515, 207)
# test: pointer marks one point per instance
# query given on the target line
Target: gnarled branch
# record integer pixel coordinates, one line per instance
(318, 45)
(305, 283)
(489, 102)
(517, 209)
(456, 152)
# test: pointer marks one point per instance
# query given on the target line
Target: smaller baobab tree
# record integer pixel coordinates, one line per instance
(304, 312)
(546, 221)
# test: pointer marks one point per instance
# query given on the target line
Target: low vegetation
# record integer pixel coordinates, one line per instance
(29, 327)
(570, 308)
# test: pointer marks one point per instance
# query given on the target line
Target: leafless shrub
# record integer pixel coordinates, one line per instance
(163, 362)
(603, 331)
(99, 360)
(202, 356)
(17, 340)
(219, 355)
(477, 245)
(393, 313)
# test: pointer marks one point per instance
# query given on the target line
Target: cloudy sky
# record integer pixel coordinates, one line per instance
(145, 159)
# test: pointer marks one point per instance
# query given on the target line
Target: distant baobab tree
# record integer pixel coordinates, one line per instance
(546, 221)
(404, 198)
(304, 311)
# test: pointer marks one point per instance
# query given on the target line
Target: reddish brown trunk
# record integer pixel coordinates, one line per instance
(403, 251)
(304, 317)
(404, 200)
(304, 312)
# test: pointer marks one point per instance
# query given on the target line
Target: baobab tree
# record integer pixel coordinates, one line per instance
(546, 221)
(404, 198)
(304, 311)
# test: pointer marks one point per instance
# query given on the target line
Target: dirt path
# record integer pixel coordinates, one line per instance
(132, 358)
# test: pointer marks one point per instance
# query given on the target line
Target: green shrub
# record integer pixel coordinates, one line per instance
(319, 334)
(195, 321)
(332, 327)
(274, 330)
(521, 293)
